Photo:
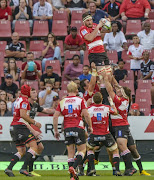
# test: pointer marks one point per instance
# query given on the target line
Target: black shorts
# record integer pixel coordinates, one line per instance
(75, 136)
(100, 140)
(21, 135)
(99, 58)
(124, 132)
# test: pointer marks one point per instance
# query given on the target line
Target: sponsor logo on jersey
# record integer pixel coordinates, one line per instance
(84, 32)
(70, 101)
(98, 109)
(24, 106)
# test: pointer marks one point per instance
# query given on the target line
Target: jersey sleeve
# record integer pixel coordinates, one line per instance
(83, 104)
(40, 109)
(24, 105)
(84, 31)
(22, 48)
(117, 100)
(111, 110)
(58, 108)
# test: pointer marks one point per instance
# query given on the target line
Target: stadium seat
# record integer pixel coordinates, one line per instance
(70, 54)
(5, 29)
(22, 28)
(129, 42)
(62, 93)
(3, 45)
(77, 24)
(40, 63)
(60, 15)
(129, 84)
(32, 84)
(124, 55)
(56, 66)
(127, 64)
(146, 111)
(151, 14)
(133, 27)
(143, 93)
(113, 57)
(61, 45)
(59, 27)
(1, 57)
(1, 70)
(36, 45)
(86, 60)
(37, 54)
(151, 21)
(24, 43)
(143, 101)
(64, 85)
(144, 84)
(130, 75)
(77, 15)
(40, 29)
(19, 64)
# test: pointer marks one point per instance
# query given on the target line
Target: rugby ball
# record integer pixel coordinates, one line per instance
(107, 23)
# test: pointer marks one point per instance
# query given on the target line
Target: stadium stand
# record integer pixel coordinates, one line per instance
(86, 61)
(60, 15)
(62, 93)
(70, 54)
(77, 24)
(56, 66)
(133, 27)
(59, 28)
(36, 45)
(130, 75)
(2, 46)
(113, 57)
(5, 29)
(64, 85)
(129, 84)
(40, 29)
(77, 15)
(61, 45)
(22, 28)
(144, 84)
(151, 14)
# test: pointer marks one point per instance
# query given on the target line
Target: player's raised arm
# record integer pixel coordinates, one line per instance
(55, 124)
(93, 78)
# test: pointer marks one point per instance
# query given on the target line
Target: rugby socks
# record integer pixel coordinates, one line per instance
(116, 160)
(91, 158)
(139, 163)
(78, 159)
(31, 163)
(16, 157)
(70, 162)
(126, 155)
(97, 153)
(30, 153)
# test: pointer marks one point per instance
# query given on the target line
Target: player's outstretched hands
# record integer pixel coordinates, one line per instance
(93, 66)
(57, 135)
(38, 125)
(90, 130)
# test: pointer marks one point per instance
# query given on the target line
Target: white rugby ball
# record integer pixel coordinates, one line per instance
(107, 24)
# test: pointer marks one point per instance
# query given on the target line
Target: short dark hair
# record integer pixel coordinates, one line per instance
(33, 89)
(97, 97)
(118, 24)
(82, 83)
(86, 66)
(5, 1)
(49, 82)
(75, 55)
(30, 52)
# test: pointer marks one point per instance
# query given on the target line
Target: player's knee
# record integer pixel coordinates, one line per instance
(114, 147)
(40, 148)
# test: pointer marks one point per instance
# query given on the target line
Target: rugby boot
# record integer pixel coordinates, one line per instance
(92, 172)
(81, 171)
(25, 172)
(34, 173)
(118, 173)
(9, 173)
(144, 173)
(130, 172)
(73, 173)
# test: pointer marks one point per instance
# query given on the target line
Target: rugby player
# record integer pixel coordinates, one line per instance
(73, 108)
(99, 114)
(21, 135)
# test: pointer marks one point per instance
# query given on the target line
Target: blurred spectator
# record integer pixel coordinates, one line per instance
(112, 7)
(97, 2)
(15, 49)
(121, 73)
(134, 111)
(96, 13)
(42, 10)
(51, 50)
(115, 40)
(147, 36)
(7, 98)
(152, 112)
(74, 42)
(46, 96)
(3, 109)
(152, 90)
(31, 69)
(59, 5)
(17, 94)
(85, 74)
(15, 3)
(74, 69)
(5, 11)
(22, 13)
(147, 66)
(49, 75)
(135, 54)
(12, 69)
(9, 86)
(151, 3)
(75, 5)
(77, 81)
(56, 101)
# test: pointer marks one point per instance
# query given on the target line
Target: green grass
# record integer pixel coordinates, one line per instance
(63, 175)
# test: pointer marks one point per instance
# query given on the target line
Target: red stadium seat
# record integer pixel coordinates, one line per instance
(40, 29)
(70, 54)
(64, 85)
(129, 84)
(112, 55)
(22, 28)
(143, 102)
(151, 21)
(144, 84)
(127, 64)
(56, 66)
(140, 93)
(61, 45)
(124, 55)
(146, 111)
(60, 15)
(130, 75)
(151, 14)
(59, 27)
(24, 43)
(37, 54)
(62, 93)
(3, 45)
(40, 63)
(133, 27)
(77, 24)
(5, 29)
(1, 57)
(36, 45)
(77, 15)
(19, 64)
(33, 84)
(86, 60)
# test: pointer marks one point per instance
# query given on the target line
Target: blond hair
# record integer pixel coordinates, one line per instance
(72, 87)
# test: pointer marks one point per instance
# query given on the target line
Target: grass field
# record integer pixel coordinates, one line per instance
(63, 175)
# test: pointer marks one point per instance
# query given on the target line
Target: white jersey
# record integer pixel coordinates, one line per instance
(45, 10)
(136, 52)
(58, 4)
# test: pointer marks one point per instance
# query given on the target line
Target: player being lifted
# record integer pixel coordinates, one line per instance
(21, 135)
(73, 108)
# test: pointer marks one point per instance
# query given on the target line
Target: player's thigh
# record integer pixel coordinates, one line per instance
(110, 143)
(93, 142)
(80, 138)
(21, 150)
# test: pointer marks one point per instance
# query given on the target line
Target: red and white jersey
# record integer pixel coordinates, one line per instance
(96, 46)
(87, 95)
(71, 108)
(21, 103)
(99, 114)
(122, 106)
